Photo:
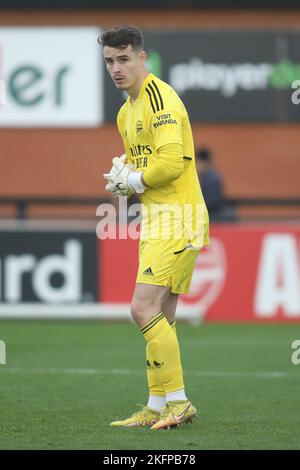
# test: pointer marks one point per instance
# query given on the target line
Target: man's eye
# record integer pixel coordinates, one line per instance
(124, 60)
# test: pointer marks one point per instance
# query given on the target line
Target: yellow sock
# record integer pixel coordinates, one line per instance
(154, 385)
(163, 353)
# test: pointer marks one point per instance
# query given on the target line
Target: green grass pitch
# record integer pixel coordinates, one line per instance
(65, 381)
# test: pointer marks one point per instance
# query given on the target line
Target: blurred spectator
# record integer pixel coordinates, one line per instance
(211, 183)
(212, 187)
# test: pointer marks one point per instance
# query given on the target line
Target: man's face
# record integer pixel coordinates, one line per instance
(124, 65)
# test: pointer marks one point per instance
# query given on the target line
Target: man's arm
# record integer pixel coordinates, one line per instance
(168, 166)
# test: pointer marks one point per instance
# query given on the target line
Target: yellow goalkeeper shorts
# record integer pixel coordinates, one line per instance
(160, 265)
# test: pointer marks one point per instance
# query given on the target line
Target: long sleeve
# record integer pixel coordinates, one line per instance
(168, 166)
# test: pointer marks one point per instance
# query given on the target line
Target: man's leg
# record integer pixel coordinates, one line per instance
(169, 307)
(147, 301)
(178, 408)
(163, 353)
(162, 349)
(169, 310)
(157, 395)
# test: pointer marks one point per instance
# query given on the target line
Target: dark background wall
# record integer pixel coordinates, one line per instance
(147, 4)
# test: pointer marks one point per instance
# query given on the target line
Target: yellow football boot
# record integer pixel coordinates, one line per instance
(176, 413)
(144, 417)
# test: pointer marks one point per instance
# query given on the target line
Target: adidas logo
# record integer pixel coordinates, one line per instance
(149, 272)
(157, 364)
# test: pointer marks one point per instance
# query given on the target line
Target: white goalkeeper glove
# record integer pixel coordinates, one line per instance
(111, 186)
(125, 180)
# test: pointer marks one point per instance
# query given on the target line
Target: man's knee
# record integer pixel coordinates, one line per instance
(136, 309)
(140, 311)
(147, 302)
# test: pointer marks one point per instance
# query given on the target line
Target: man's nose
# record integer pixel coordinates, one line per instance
(116, 67)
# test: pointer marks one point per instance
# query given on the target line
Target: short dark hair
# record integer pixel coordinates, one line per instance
(204, 154)
(121, 37)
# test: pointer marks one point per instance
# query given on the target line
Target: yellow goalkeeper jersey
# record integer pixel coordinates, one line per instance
(148, 125)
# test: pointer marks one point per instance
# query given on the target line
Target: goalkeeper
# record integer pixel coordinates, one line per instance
(159, 165)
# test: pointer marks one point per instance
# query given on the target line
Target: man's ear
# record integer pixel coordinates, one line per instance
(142, 57)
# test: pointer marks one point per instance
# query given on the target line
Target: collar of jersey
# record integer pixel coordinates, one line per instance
(149, 77)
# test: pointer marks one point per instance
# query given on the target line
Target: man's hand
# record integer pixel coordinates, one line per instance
(112, 186)
(123, 181)
(120, 179)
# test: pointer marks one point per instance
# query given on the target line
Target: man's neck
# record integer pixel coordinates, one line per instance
(135, 90)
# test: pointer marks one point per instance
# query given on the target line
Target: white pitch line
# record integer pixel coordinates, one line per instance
(196, 373)
(25, 370)
(250, 374)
